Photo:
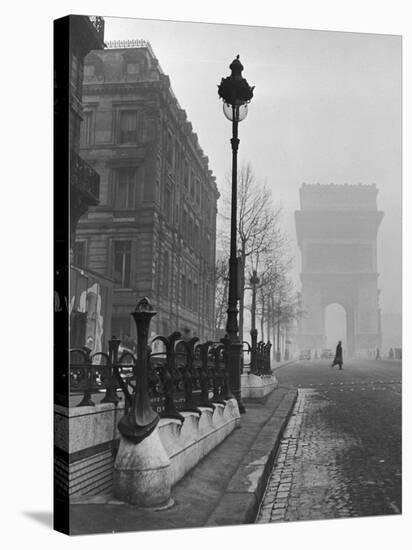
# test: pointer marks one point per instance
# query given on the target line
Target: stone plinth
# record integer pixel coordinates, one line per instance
(142, 473)
(90, 454)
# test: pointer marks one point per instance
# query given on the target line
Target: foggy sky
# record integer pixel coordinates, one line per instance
(327, 108)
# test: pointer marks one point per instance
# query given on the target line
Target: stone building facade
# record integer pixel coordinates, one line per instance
(154, 229)
(337, 228)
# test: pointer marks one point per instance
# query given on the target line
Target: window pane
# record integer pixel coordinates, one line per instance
(195, 296)
(122, 262)
(125, 188)
(183, 290)
(86, 128)
(128, 127)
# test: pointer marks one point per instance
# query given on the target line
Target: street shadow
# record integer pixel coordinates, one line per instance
(44, 518)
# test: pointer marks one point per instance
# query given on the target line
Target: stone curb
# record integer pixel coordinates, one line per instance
(240, 502)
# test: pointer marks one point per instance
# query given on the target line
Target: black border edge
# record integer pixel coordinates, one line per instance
(61, 64)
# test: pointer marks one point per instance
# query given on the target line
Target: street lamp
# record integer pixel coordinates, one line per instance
(236, 94)
(254, 281)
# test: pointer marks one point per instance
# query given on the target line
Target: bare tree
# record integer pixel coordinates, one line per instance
(258, 228)
(221, 290)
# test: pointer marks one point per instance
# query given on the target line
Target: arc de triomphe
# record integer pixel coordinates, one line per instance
(337, 228)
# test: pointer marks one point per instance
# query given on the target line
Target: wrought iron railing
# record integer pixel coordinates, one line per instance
(259, 358)
(83, 176)
(181, 377)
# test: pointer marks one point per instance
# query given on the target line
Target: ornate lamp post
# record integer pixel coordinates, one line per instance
(236, 94)
(254, 281)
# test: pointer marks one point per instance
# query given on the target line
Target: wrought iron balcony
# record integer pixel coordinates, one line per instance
(84, 178)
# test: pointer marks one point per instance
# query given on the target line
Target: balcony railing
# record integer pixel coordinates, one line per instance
(83, 177)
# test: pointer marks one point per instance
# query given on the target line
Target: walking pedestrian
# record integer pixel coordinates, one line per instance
(378, 355)
(338, 359)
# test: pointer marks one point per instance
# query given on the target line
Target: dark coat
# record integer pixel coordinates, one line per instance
(338, 355)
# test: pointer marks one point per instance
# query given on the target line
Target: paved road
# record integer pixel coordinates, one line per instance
(340, 455)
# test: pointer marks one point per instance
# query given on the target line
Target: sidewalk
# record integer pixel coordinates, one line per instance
(275, 365)
(225, 488)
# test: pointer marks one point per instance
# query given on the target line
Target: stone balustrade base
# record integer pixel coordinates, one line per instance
(257, 386)
(85, 434)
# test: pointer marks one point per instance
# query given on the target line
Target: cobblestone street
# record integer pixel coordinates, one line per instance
(340, 455)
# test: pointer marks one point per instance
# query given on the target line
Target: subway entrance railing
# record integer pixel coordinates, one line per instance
(182, 376)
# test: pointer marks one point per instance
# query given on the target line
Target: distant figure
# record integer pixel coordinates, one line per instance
(378, 355)
(391, 353)
(338, 360)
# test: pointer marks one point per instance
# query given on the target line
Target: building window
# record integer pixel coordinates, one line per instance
(122, 263)
(79, 253)
(207, 301)
(189, 294)
(195, 296)
(88, 71)
(133, 68)
(86, 129)
(166, 274)
(183, 290)
(76, 72)
(125, 188)
(128, 127)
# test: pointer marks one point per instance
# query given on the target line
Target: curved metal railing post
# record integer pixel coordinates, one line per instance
(253, 351)
(189, 373)
(110, 379)
(141, 419)
(204, 374)
(217, 374)
(87, 395)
